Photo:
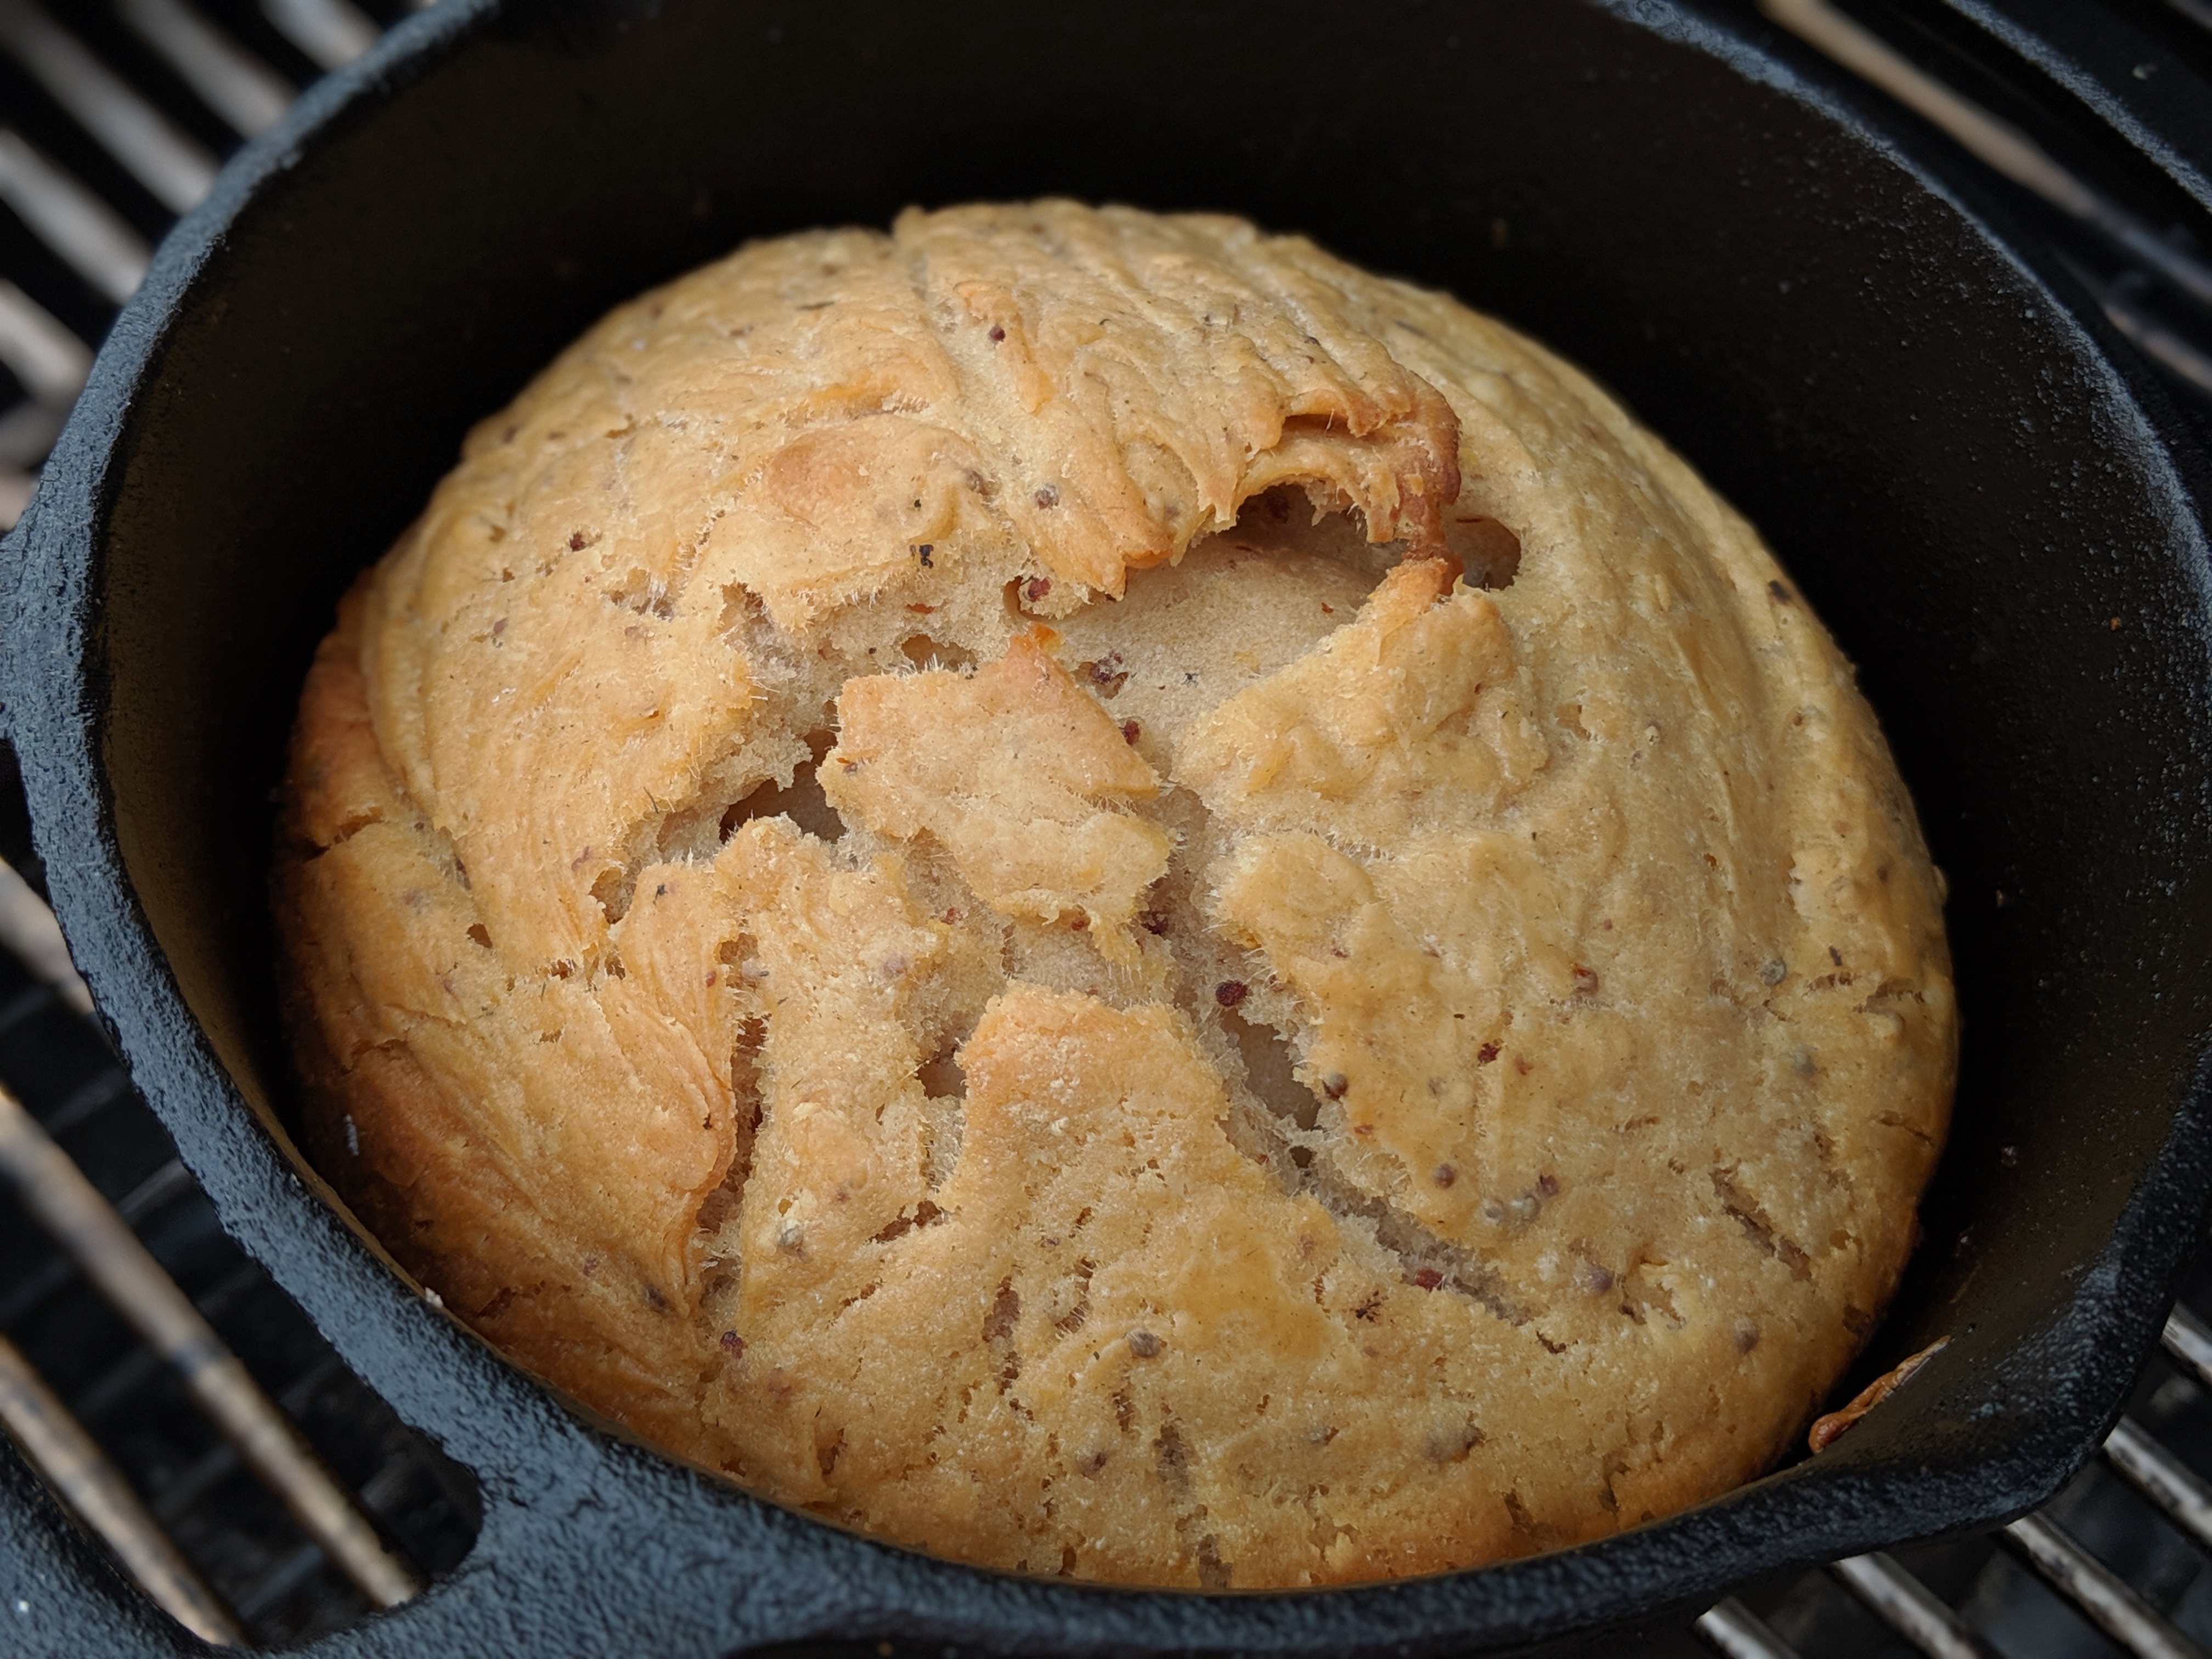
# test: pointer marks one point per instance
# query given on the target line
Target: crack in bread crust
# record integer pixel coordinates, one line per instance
(1095, 893)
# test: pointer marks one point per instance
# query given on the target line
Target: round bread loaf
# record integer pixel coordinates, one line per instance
(1095, 893)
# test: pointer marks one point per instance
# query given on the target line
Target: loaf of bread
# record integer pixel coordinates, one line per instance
(1097, 894)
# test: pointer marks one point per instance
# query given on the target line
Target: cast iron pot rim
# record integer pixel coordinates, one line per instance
(55, 698)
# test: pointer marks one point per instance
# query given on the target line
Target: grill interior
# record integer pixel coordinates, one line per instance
(113, 114)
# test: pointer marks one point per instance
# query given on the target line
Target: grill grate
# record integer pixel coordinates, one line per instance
(138, 1408)
(2103, 1569)
(111, 123)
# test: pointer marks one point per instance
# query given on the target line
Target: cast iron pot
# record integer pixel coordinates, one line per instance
(1993, 514)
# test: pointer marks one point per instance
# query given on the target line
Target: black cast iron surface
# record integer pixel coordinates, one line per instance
(1775, 270)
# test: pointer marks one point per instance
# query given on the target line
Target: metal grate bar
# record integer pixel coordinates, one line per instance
(170, 164)
(2189, 1339)
(2154, 339)
(2096, 1590)
(231, 80)
(53, 1189)
(1909, 1607)
(1997, 143)
(384, 1489)
(51, 361)
(71, 220)
(332, 32)
(280, 1581)
(221, 1460)
(286, 1590)
(171, 1182)
(1735, 1632)
(75, 1468)
(115, 1386)
(2159, 1475)
(2008, 150)
(27, 432)
(28, 929)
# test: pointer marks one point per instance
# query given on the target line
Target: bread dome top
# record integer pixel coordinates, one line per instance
(1097, 893)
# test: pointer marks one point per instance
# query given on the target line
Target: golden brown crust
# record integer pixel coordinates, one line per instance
(1010, 769)
(1301, 1071)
